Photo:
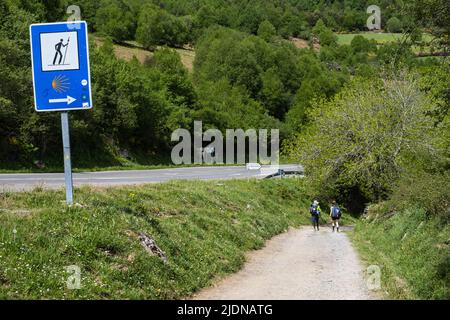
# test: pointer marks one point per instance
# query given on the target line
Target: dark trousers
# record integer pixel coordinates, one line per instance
(315, 221)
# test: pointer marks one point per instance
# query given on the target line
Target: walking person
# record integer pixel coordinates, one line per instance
(315, 210)
(58, 51)
(335, 214)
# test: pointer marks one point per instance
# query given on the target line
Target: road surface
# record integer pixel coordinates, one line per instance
(25, 181)
(301, 264)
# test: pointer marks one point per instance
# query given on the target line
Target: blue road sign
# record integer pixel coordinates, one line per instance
(60, 64)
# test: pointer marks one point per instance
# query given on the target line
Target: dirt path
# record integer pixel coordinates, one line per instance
(300, 264)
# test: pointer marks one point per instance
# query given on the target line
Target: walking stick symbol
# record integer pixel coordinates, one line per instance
(65, 52)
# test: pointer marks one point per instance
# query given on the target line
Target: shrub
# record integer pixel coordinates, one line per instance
(394, 25)
(361, 44)
(326, 36)
(158, 27)
(362, 141)
(429, 191)
(116, 20)
(266, 30)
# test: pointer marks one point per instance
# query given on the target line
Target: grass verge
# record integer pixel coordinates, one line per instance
(412, 251)
(204, 228)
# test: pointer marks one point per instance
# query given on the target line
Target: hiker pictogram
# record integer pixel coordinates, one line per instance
(58, 47)
(59, 51)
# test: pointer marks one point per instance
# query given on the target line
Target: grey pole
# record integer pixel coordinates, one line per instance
(67, 161)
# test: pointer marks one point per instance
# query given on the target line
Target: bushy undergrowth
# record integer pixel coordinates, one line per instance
(424, 190)
(411, 247)
(204, 228)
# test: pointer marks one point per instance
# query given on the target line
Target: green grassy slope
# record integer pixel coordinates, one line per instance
(413, 252)
(130, 49)
(380, 38)
(383, 38)
(204, 228)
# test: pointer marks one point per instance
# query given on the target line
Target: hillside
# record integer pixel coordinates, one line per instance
(237, 65)
(383, 38)
(203, 228)
(128, 50)
(411, 250)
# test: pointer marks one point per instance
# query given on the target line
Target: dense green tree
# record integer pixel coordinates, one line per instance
(116, 19)
(432, 14)
(22, 132)
(294, 24)
(395, 54)
(157, 27)
(250, 17)
(266, 31)
(353, 19)
(250, 62)
(365, 136)
(16, 25)
(436, 81)
(206, 17)
(223, 53)
(326, 36)
(223, 106)
(318, 82)
(130, 102)
(360, 44)
(15, 101)
(273, 93)
(394, 25)
(175, 76)
(322, 86)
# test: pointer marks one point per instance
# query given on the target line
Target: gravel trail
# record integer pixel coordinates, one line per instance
(300, 264)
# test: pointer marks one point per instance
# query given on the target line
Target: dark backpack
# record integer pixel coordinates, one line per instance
(336, 212)
(313, 209)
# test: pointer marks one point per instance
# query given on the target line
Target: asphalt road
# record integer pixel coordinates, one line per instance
(28, 181)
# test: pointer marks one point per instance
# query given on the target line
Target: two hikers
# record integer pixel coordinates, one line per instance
(335, 215)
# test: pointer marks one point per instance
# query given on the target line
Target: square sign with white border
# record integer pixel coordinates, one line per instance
(60, 64)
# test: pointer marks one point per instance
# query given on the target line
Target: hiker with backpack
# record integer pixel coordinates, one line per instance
(335, 214)
(315, 210)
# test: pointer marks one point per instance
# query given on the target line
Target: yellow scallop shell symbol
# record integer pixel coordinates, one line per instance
(60, 83)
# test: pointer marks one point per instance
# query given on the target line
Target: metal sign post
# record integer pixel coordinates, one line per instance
(67, 160)
(61, 77)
